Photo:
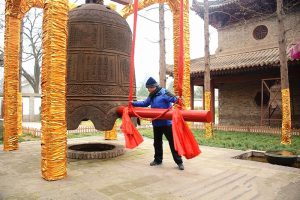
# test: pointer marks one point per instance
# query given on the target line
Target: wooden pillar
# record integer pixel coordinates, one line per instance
(212, 108)
(192, 95)
(203, 98)
(31, 108)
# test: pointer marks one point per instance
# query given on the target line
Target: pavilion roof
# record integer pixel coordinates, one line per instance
(220, 64)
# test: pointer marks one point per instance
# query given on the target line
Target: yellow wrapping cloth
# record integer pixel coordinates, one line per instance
(286, 117)
(128, 10)
(176, 48)
(26, 5)
(208, 126)
(20, 114)
(54, 131)
(11, 82)
(112, 134)
(186, 76)
(186, 93)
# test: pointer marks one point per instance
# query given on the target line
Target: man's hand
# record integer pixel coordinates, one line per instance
(130, 104)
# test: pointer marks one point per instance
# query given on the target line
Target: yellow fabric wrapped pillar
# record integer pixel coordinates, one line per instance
(54, 131)
(186, 93)
(186, 69)
(208, 126)
(20, 114)
(112, 134)
(286, 117)
(26, 5)
(176, 47)
(11, 81)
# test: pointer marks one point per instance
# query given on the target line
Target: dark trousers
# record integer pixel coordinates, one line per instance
(158, 143)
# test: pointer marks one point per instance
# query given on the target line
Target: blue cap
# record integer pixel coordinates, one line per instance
(151, 82)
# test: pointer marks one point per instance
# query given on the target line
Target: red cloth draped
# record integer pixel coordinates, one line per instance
(184, 141)
(295, 51)
(132, 136)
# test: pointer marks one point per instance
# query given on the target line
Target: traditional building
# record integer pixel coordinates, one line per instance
(245, 67)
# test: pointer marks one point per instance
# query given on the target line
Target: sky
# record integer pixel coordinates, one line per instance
(147, 39)
(147, 46)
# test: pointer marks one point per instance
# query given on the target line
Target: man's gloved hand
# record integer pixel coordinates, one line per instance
(130, 103)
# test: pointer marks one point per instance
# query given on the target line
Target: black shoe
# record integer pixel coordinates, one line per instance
(180, 166)
(154, 162)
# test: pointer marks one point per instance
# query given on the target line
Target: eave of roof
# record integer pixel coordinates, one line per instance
(234, 62)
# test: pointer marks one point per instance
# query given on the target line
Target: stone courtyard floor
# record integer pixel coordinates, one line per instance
(214, 174)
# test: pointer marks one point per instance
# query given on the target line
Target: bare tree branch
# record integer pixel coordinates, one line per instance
(152, 41)
(148, 19)
(155, 8)
(33, 51)
(28, 77)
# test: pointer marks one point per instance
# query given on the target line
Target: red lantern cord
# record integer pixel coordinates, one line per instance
(132, 136)
(135, 9)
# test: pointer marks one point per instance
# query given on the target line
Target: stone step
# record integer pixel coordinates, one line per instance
(213, 187)
(199, 185)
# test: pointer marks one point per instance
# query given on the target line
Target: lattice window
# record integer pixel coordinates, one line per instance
(260, 32)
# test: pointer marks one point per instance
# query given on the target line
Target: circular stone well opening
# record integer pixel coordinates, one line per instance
(281, 157)
(95, 151)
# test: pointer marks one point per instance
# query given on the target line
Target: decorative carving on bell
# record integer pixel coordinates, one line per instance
(99, 46)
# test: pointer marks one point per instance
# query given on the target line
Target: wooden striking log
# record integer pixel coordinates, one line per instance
(188, 115)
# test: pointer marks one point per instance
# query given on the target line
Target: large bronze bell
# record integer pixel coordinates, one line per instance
(98, 66)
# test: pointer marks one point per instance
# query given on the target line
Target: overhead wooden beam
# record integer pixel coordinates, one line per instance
(124, 2)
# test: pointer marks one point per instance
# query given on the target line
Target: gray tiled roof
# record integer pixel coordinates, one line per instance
(236, 61)
(240, 60)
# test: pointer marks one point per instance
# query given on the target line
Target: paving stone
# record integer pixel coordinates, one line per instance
(214, 174)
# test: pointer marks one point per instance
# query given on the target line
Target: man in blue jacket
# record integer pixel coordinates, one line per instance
(160, 98)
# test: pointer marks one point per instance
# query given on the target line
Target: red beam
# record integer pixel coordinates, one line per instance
(188, 115)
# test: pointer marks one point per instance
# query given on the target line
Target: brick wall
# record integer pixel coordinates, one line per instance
(238, 107)
(239, 37)
(295, 95)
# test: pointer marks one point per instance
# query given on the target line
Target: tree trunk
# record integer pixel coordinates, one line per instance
(162, 47)
(29, 27)
(285, 91)
(207, 86)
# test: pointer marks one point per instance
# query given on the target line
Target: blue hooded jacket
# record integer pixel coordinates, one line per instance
(161, 98)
